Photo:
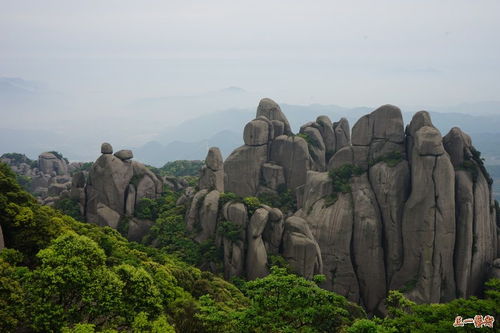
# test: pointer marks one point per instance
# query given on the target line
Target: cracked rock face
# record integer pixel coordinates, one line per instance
(406, 208)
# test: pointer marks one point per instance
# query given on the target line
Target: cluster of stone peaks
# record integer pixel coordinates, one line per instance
(380, 208)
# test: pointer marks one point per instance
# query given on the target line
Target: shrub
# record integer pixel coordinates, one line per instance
(69, 207)
(146, 209)
(252, 204)
(342, 176)
(391, 159)
(230, 230)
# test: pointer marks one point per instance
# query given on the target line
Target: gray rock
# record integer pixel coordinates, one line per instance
(106, 148)
(367, 247)
(316, 147)
(332, 228)
(137, 229)
(107, 217)
(273, 232)
(318, 185)
(457, 145)
(211, 180)
(256, 264)
(325, 127)
(273, 175)
(495, 269)
(271, 110)
(342, 157)
(484, 235)
(234, 251)
(292, 153)
(465, 234)
(278, 128)
(107, 183)
(124, 154)
(208, 216)
(130, 200)
(388, 123)
(256, 133)
(214, 159)
(342, 133)
(48, 163)
(242, 170)
(362, 131)
(391, 186)
(300, 248)
(193, 214)
(428, 227)
(428, 141)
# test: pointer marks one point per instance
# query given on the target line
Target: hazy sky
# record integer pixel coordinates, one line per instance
(103, 55)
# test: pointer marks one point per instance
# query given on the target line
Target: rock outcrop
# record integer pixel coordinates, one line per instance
(115, 186)
(384, 208)
(48, 178)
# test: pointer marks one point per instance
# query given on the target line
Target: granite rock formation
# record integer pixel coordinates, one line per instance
(380, 208)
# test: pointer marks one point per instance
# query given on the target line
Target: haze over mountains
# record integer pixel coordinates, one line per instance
(167, 128)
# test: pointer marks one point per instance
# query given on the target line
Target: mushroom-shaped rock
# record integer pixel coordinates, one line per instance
(272, 111)
(106, 148)
(124, 154)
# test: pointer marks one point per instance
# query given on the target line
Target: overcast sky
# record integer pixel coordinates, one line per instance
(106, 54)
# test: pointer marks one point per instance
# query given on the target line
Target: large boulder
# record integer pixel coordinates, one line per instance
(256, 262)
(243, 169)
(124, 154)
(214, 159)
(234, 249)
(212, 174)
(316, 146)
(272, 111)
(300, 248)
(49, 163)
(106, 148)
(331, 224)
(292, 153)
(256, 132)
(273, 175)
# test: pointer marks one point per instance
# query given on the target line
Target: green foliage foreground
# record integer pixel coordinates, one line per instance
(61, 275)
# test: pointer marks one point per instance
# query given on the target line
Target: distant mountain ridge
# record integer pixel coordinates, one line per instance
(191, 139)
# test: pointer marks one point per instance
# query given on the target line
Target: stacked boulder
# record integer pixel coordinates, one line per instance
(384, 208)
(273, 157)
(115, 185)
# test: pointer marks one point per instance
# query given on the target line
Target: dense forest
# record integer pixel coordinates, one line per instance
(61, 275)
